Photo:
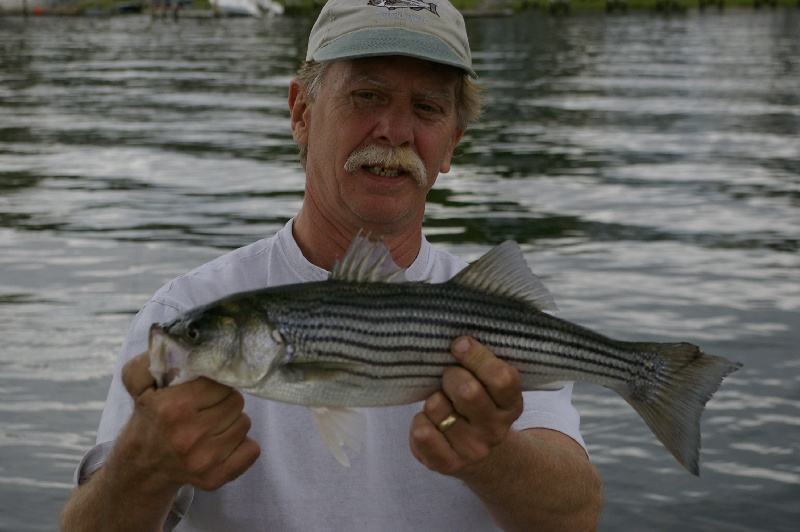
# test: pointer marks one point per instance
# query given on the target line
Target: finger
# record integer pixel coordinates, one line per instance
(193, 396)
(438, 407)
(430, 447)
(136, 375)
(234, 465)
(190, 411)
(458, 440)
(213, 435)
(205, 392)
(473, 388)
(441, 412)
(467, 395)
(220, 417)
(242, 458)
(467, 441)
(226, 442)
(500, 380)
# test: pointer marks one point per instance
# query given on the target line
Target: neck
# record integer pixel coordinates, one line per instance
(323, 239)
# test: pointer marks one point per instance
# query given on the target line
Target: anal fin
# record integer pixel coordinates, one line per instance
(338, 426)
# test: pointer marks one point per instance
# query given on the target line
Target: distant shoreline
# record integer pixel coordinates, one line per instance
(470, 8)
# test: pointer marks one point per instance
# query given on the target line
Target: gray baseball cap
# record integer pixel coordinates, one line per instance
(348, 29)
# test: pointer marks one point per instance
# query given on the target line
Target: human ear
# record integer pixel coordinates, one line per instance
(299, 109)
(448, 156)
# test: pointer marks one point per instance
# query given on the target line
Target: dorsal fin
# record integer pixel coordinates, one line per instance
(367, 262)
(503, 271)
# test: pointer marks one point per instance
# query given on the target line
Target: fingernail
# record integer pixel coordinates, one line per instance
(461, 346)
(432, 402)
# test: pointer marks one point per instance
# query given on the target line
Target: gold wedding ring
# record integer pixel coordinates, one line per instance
(447, 423)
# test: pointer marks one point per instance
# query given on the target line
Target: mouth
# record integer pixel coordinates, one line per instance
(388, 162)
(384, 172)
(167, 358)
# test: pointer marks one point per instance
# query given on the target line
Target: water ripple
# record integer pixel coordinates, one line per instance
(647, 165)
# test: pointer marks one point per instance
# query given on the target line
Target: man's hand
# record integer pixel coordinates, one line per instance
(485, 398)
(535, 479)
(193, 433)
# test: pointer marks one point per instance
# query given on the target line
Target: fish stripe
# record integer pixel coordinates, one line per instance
(358, 327)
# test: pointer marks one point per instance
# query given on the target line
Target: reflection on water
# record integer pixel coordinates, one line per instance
(648, 166)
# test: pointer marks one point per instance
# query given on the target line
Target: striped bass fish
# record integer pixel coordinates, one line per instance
(367, 337)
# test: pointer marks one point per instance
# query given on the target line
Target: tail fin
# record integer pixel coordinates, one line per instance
(672, 403)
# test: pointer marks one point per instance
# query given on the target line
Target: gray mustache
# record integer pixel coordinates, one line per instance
(389, 158)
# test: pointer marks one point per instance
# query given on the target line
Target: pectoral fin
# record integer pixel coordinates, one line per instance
(338, 426)
(548, 386)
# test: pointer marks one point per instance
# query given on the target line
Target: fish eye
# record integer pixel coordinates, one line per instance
(192, 333)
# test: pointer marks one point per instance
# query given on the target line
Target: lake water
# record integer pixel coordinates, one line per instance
(648, 165)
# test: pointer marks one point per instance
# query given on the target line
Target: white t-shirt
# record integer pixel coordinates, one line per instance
(296, 485)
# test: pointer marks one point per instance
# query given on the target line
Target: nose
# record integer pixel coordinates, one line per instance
(395, 125)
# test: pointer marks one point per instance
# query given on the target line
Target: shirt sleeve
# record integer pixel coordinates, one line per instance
(551, 410)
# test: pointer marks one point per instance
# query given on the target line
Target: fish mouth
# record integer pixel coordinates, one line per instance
(167, 358)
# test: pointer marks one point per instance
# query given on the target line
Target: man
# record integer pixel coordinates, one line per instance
(377, 111)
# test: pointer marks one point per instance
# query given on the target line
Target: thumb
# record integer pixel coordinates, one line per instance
(136, 376)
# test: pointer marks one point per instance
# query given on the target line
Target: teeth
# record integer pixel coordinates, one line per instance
(385, 172)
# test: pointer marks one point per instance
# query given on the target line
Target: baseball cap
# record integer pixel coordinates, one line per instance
(348, 29)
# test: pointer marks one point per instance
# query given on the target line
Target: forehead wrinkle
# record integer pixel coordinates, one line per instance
(430, 94)
(372, 80)
(446, 96)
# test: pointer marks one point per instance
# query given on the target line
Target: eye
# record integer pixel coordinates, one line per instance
(366, 95)
(366, 98)
(192, 333)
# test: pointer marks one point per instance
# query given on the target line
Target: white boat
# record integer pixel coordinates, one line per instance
(247, 8)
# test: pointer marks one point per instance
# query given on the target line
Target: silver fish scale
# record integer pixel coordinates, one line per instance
(402, 333)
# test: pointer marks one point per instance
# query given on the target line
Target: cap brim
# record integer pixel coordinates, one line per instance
(392, 41)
